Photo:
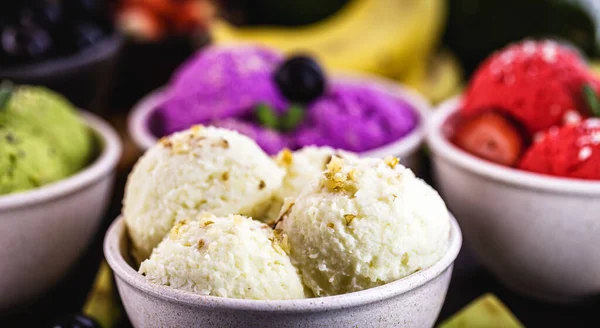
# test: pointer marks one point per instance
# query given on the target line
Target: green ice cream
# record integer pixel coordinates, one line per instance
(27, 161)
(42, 139)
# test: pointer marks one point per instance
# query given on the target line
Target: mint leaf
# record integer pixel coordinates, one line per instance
(266, 116)
(293, 118)
(591, 98)
(6, 90)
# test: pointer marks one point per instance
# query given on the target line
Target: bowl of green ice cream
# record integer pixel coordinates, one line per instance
(56, 173)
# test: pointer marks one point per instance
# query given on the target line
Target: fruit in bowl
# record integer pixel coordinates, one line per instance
(524, 138)
(153, 20)
(42, 29)
(282, 103)
(197, 206)
(67, 46)
(56, 173)
(531, 106)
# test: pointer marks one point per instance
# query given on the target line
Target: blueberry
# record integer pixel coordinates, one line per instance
(87, 34)
(25, 42)
(76, 321)
(300, 79)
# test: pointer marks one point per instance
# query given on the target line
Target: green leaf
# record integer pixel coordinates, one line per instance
(293, 118)
(6, 90)
(266, 116)
(591, 98)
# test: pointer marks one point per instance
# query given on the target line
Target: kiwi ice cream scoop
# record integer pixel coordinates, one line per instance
(42, 138)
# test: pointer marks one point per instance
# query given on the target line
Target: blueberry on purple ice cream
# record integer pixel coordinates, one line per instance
(221, 83)
(281, 103)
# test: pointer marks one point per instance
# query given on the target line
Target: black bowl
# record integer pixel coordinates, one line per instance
(85, 77)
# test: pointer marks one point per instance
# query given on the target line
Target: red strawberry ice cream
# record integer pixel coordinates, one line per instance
(572, 151)
(532, 106)
(536, 83)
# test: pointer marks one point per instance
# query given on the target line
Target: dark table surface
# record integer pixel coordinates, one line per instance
(470, 280)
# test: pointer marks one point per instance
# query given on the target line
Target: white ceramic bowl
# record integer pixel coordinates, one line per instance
(407, 148)
(540, 235)
(414, 301)
(45, 230)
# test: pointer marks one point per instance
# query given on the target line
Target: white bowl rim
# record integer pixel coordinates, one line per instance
(116, 233)
(144, 139)
(441, 146)
(104, 164)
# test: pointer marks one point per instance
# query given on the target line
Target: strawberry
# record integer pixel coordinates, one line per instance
(539, 84)
(490, 136)
(572, 151)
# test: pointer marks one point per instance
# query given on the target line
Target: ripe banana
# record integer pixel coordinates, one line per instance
(102, 304)
(393, 38)
(595, 67)
(442, 80)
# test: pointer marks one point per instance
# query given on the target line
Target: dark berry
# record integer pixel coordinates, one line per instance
(76, 321)
(25, 42)
(47, 14)
(87, 34)
(300, 79)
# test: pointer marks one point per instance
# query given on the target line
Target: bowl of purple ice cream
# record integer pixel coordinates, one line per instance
(284, 103)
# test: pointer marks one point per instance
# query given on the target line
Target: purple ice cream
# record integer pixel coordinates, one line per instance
(218, 83)
(355, 117)
(223, 85)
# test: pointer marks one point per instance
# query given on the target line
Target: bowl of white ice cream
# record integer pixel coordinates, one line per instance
(357, 241)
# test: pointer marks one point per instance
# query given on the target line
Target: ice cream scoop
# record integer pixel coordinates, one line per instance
(355, 117)
(364, 223)
(538, 83)
(203, 169)
(221, 82)
(26, 162)
(231, 256)
(43, 139)
(301, 168)
(572, 151)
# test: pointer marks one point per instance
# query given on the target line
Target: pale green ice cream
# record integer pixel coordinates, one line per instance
(42, 139)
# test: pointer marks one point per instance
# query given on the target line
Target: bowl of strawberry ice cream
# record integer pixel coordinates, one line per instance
(517, 159)
(284, 103)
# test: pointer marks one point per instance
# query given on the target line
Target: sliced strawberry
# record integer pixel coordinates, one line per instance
(491, 136)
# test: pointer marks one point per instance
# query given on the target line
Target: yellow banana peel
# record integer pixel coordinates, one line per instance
(385, 37)
(443, 78)
(102, 304)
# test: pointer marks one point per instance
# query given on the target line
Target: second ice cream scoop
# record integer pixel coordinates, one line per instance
(364, 223)
(231, 256)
